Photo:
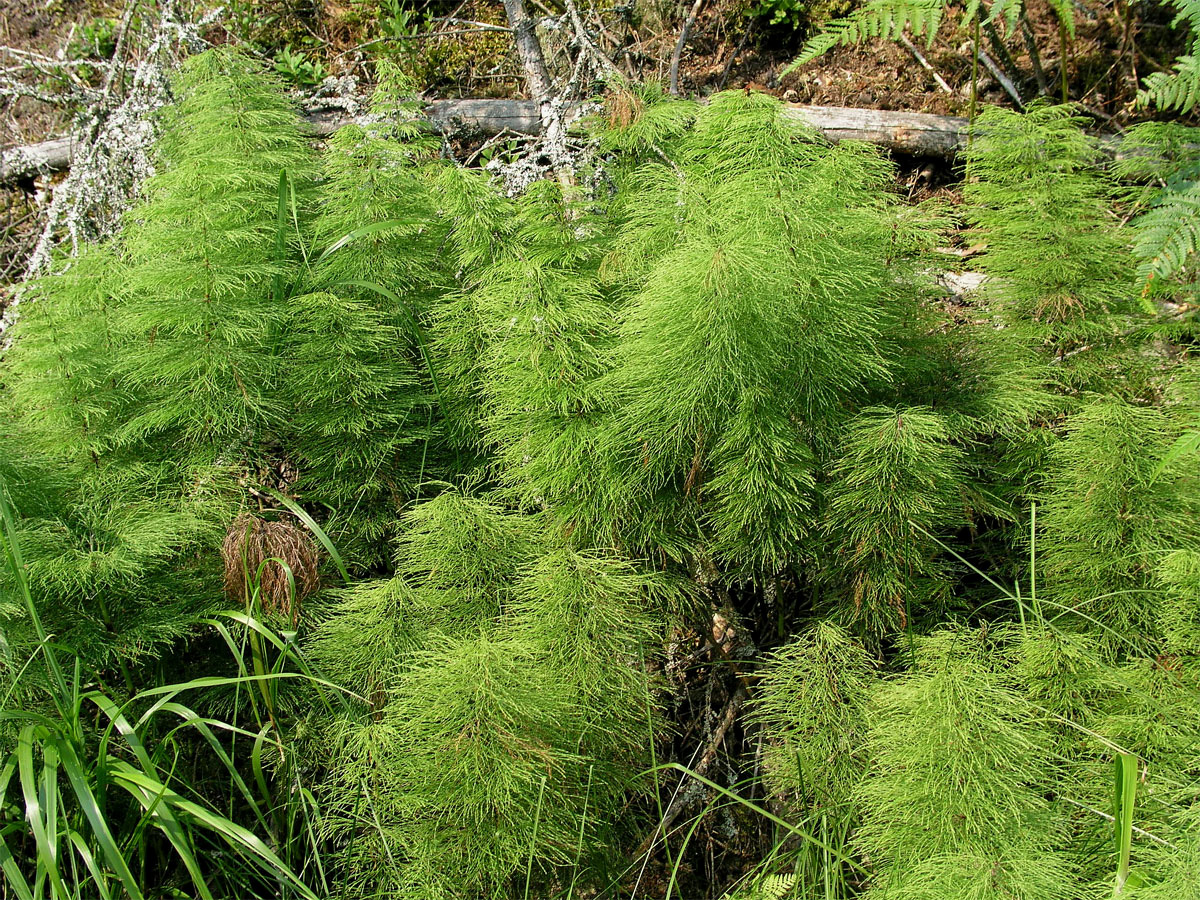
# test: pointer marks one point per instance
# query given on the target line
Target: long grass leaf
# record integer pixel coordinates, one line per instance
(311, 525)
(112, 855)
(280, 239)
(89, 861)
(12, 872)
(167, 824)
(46, 845)
(204, 726)
(1124, 795)
(1185, 445)
(230, 832)
(364, 231)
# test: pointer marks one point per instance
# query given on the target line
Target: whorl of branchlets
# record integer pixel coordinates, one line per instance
(250, 542)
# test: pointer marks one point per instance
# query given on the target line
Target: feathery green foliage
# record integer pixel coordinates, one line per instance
(1055, 258)
(591, 620)
(198, 312)
(1179, 617)
(813, 699)
(1182, 865)
(479, 766)
(592, 450)
(463, 555)
(358, 375)
(1105, 520)
(896, 487)
(546, 323)
(149, 369)
(950, 805)
(506, 688)
(60, 375)
(719, 335)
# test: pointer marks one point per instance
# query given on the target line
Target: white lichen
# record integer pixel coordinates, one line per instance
(113, 147)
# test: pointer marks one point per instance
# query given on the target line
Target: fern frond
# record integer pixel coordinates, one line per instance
(1006, 11)
(1189, 11)
(886, 19)
(769, 887)
(1169, 234)
(1178, 89)
(1065, 11)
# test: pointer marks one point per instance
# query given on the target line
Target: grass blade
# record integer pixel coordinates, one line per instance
(365, 230)
(1124, 795)
(113, 857)
(311, 525)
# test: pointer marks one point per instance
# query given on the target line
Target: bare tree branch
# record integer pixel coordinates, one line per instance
(529, 49)
(679, 45)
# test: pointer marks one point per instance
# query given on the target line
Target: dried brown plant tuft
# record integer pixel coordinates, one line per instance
(622, 108)
(251, 541)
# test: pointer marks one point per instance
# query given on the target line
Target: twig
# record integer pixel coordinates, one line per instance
(1006, 60)
(33, 58)
(497, 138)
(421, 36)
(729, 63)
(602, 62)
(470, 23)
(16, 89)
(998, 74)
(118, 54)
(680, 801)
(678, 54)
(920, 57)
(1035, 58)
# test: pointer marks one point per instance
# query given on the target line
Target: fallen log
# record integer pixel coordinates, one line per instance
(915, 134)
(32, 159)
(908, 133)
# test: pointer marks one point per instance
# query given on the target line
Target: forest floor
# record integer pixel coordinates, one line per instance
(43, 44)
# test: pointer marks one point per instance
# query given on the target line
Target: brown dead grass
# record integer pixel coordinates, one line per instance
(256, 549)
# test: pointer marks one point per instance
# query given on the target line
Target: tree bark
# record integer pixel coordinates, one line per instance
(529, 49)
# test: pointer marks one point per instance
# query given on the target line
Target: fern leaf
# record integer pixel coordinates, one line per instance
(1168, 234)
(1189, 11)
(1065, 11)
(880, 18)
(1179, 90)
